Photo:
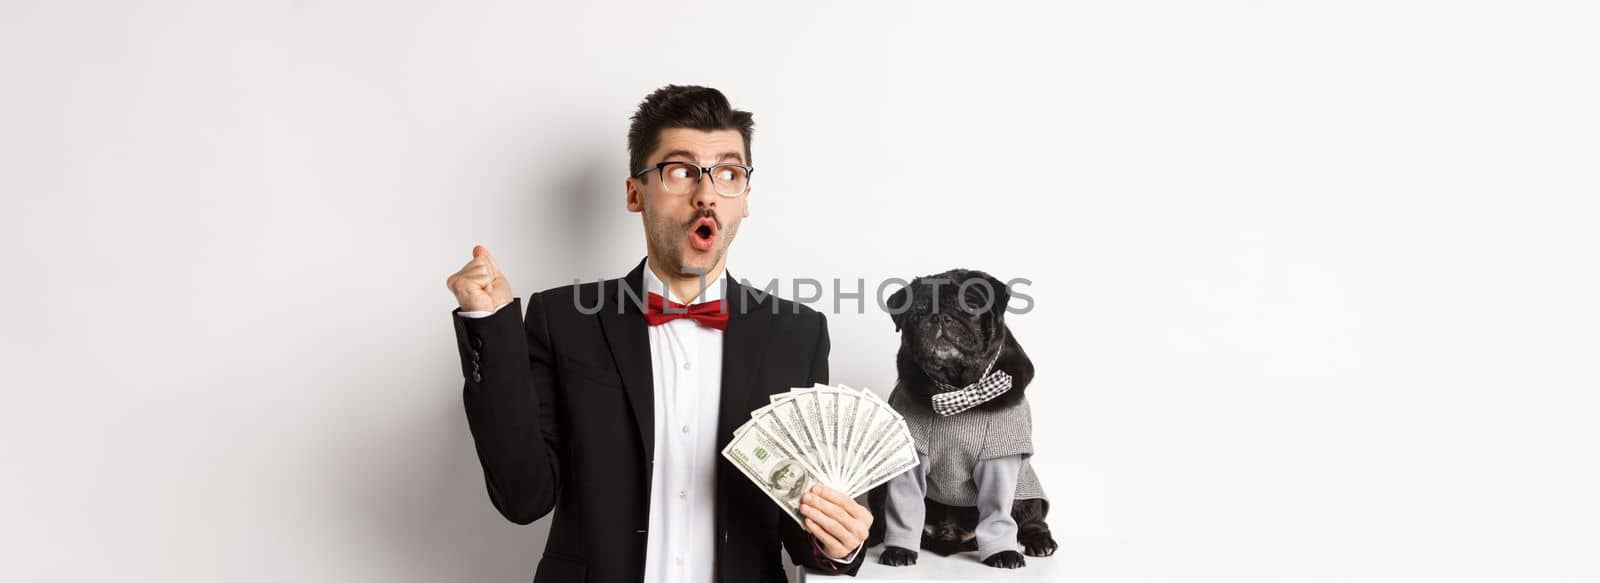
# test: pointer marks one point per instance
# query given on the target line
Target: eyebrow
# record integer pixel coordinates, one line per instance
(737, 157)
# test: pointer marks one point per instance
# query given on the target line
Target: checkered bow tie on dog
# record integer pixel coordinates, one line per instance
(993, 383)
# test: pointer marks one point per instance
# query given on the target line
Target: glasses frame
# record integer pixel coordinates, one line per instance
(661, 170)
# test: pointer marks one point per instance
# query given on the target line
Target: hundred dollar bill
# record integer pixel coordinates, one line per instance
(859, 420)
(772, 468)
(902, 456)
(820, 419)
(800, 405)
(885, 424)
(837, 403)
(847, 439)
(844, 403)
(784, 434)
(797, 428)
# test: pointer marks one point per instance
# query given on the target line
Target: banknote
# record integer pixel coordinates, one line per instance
(846, 438)
(772, 467)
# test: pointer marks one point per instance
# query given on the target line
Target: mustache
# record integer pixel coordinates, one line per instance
(701, 214)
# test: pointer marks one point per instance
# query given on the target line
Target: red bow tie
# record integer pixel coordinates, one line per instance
(708, 314)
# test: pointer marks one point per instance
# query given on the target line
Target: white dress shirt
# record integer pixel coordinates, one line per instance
(686, 365)
(686, 369)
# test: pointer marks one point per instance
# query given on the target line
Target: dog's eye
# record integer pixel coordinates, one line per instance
(975, 301)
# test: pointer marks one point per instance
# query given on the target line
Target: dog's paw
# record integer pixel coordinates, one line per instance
(1039, 545)
(1005, 560)
(897, 557)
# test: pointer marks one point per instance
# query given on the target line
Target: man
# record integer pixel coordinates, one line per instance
(613, 411)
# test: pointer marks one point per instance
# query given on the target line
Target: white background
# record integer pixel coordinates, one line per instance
(1314, 281)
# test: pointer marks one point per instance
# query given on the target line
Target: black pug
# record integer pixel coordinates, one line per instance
(961, 381)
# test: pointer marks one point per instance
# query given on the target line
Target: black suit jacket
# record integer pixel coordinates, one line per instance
(561, 412)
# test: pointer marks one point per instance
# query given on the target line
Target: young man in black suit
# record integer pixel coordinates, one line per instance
(610, 402)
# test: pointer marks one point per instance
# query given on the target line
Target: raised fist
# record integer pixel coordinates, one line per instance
(479, 285)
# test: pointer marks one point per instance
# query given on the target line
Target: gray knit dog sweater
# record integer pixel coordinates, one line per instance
(954, 445)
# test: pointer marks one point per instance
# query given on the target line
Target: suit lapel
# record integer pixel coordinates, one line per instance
(744, 346)
(623, 323)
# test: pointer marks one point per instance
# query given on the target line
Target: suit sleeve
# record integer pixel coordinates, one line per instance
(509, 391)
(802, 548)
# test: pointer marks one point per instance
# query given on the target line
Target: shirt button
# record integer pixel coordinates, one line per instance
(685, 366)
(686, 429)
(683, 494)
(679, 561)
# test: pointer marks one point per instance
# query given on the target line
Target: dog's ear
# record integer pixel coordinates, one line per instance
(899, 304)
(1001, 296)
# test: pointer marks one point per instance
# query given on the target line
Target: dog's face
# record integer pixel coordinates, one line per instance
(951, 324)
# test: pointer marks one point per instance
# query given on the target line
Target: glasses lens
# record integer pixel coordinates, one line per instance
(679, 177)
(730, 180)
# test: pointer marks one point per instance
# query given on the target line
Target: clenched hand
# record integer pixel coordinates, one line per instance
(839, 523)
(479, 285)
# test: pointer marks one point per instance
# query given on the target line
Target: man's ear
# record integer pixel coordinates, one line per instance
(899, 304)
(635, 194)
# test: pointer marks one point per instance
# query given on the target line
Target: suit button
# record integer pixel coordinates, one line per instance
(477, 378)
(477, 342)
(476, 355)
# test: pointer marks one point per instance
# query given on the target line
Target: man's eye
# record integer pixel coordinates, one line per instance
(725, 174)
(678, 172)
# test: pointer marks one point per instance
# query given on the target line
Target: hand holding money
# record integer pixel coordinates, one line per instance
(821, 447)
(839, 523)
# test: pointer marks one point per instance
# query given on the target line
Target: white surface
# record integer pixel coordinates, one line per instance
(1080, 559)
(1314, 282)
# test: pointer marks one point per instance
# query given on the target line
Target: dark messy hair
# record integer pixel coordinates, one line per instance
(683, 106)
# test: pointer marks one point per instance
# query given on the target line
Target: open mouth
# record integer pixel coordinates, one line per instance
(703, 234)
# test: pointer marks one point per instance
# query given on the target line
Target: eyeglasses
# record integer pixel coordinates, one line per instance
(728, 179)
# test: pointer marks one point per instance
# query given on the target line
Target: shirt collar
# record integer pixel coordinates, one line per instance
(713, 292)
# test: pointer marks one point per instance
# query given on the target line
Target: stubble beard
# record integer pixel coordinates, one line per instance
(667, 239)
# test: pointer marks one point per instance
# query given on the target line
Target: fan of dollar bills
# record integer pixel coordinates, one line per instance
(847, 439)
